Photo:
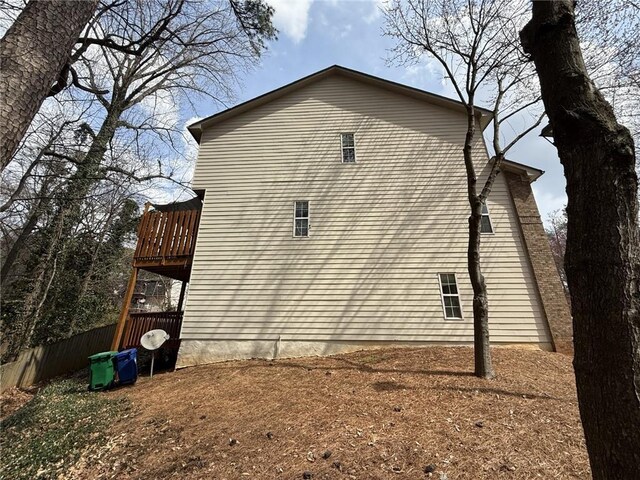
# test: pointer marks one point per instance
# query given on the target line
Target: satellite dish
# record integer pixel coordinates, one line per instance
(153, 340)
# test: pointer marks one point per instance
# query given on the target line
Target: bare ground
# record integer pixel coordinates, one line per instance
(13, 399)
(378, 414)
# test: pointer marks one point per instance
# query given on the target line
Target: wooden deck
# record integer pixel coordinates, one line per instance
(140, 323)
(166, 242)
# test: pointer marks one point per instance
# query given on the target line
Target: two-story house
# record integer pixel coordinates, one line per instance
(334, 218)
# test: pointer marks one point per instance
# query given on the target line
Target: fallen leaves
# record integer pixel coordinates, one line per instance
(389, 413)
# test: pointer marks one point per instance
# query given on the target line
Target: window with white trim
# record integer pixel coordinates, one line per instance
(450, 296)
(348, 144)
(485, 220)
(301, 218)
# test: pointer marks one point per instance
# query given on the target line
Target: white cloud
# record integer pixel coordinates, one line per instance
(376, 12)
(162, 108)
(422, 75)
(291, 17)
(345, 31)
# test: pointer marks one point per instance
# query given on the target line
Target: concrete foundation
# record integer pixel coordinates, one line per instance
(198, 352)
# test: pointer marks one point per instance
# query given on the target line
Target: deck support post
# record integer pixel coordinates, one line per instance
(125, 309)
(181, 300)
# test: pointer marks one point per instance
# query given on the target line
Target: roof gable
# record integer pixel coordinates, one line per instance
(483, 115)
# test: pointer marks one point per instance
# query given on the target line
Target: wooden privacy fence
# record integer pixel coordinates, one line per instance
(140, 323)
(167, 235)
(48, 361)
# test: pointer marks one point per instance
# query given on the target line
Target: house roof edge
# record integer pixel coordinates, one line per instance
(484, 116)
(532, 173)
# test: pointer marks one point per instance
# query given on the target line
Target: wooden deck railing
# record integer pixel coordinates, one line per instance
(140, 323)
(167, 237)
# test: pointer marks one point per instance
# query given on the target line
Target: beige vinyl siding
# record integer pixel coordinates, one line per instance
(381, 229)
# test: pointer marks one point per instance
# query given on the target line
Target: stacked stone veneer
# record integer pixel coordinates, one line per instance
(546, 274)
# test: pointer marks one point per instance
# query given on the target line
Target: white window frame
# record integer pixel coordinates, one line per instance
(488, 215)
(308, 217)
(442, 295)
(342, 147)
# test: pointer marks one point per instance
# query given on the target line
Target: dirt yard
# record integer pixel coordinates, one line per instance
(13, 400)
(399, 413)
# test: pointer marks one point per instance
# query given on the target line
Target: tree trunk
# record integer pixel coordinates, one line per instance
(33, 52)
(88, 172)
(603, 242)
(481, 344)
(7, 275)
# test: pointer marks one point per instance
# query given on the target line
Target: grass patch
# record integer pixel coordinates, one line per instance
(371, 359)
(48, 434)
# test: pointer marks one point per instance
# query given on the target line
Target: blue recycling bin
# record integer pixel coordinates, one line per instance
(126, 364)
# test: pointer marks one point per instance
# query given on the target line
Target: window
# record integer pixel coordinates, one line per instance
(301, 219)
(485, 221)
(348, 143)
(450, 296)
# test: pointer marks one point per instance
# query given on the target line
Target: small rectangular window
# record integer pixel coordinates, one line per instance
(450, 296)
(301, 218)
(348, 144)
(485, 220)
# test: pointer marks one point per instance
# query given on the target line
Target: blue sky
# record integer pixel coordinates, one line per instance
(315, 34)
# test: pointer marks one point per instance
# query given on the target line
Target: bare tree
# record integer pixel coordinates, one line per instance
(33, 52)
(49, 29)
(557, 235)
(475, 44)
(609, 40)
(603, 240)
(30, 184)
(196, 49)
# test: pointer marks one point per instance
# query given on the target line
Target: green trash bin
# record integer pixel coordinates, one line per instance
(102, 374)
